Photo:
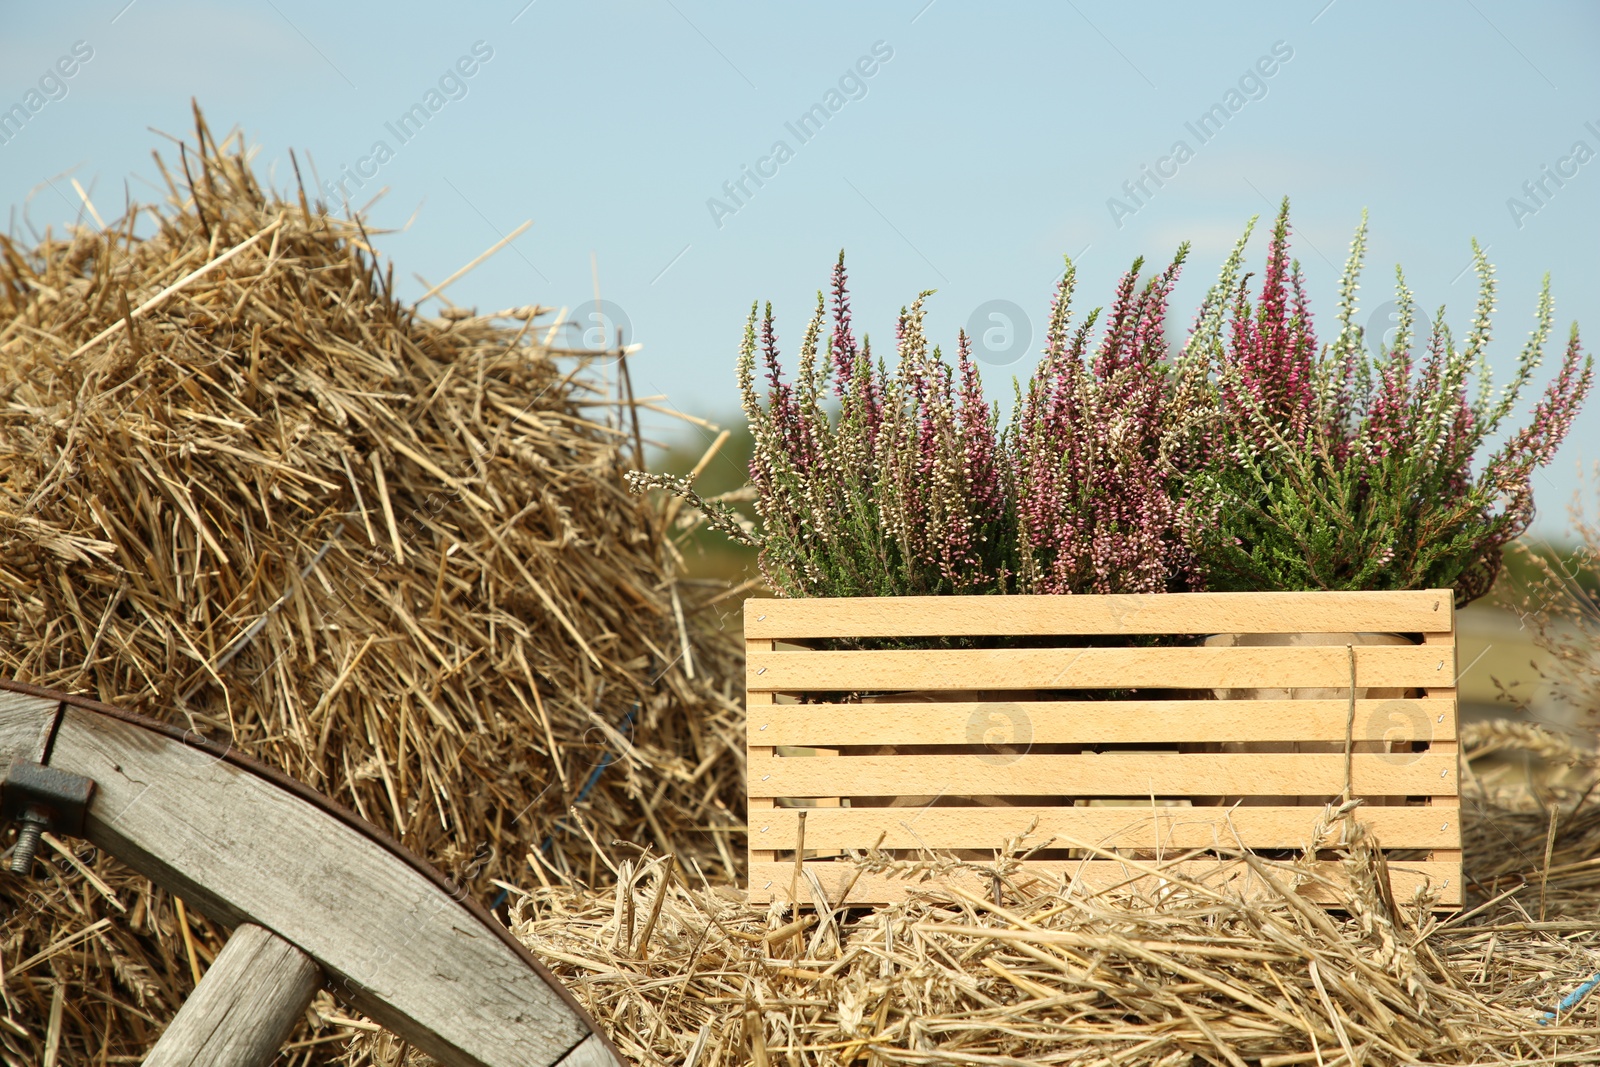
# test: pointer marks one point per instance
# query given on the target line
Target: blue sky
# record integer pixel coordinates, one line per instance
(985, 142)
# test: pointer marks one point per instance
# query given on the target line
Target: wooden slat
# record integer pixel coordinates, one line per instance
(1156, 613)
(242, 1011)
(1097, 722)
(1132, 827)
(1109, 774)
(1096, 668)
(770, 881)
(395, 945)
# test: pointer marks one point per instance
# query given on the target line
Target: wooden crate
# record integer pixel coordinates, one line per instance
(989, 740)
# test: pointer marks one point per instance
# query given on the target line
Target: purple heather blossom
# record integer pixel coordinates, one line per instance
(1098, 498)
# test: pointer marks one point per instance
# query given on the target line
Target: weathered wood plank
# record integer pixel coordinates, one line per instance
(965, 722)
(1108, 774)
(244, 1008)
(1138, 826)
(1156, 613)
(770, 881)
(24, 723)
(392, 942)
(1406, 666)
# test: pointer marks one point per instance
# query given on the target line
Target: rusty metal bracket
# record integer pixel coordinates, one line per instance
(41, 799)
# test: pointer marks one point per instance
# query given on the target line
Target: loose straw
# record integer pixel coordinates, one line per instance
(177, 286)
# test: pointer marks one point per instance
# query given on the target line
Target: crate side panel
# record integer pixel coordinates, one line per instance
(1385, 779)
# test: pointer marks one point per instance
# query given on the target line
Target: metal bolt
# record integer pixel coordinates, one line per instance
(761, 618)
(1440, 667)
(27, 843)
(763, 670)
(1445, 773)
(764, 829)
(1444, 826)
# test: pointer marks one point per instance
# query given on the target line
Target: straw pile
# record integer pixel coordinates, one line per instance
(245, 490)
(686, 974)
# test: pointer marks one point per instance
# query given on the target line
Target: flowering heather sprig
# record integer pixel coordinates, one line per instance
(1093, 446)
(842, 345)
(1273, 350)
(719, 514)
(977, 433)
(1348, 470)
(780, 394)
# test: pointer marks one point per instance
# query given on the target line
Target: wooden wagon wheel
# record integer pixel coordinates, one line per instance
(316, 896)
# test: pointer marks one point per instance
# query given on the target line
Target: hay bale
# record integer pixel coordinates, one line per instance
(244, 489)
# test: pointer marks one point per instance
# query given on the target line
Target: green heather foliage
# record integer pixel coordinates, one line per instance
(1250, 460)
(1340, 469)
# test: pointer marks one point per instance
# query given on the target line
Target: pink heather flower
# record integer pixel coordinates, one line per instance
(842, 346)
(1273, 351)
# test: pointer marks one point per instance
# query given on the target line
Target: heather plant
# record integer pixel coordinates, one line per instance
(878, 482)
(1339, 468)
(897, 493)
